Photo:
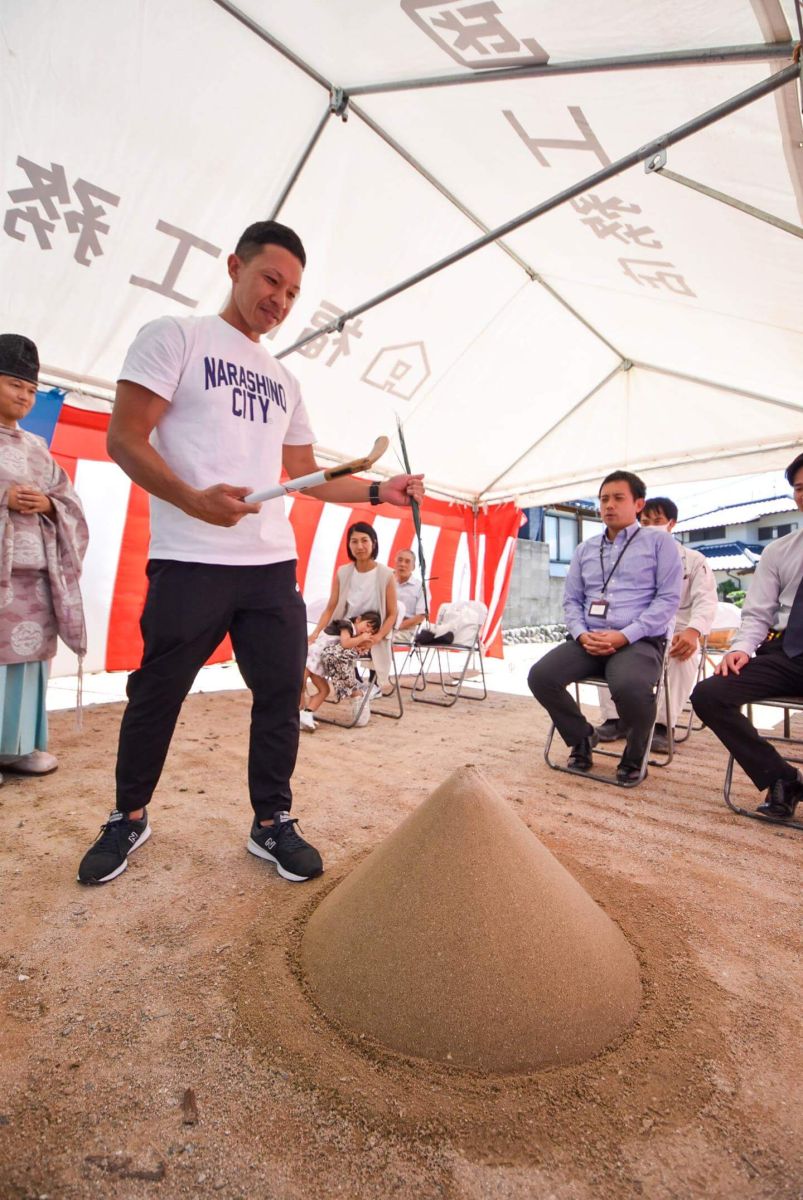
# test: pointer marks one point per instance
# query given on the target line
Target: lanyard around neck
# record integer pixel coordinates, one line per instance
(628, 540)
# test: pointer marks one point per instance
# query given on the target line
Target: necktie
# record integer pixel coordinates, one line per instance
(793, 635)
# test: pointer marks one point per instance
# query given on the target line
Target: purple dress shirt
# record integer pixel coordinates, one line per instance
(644, 590)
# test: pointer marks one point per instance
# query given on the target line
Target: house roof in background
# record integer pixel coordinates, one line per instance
(732, 556)
(738, 514)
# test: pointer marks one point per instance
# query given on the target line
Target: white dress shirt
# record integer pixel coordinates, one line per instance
(698, 600)
(410, 598)
(772, 592)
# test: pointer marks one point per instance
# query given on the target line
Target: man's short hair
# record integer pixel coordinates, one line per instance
(409, 554)
(662, 504)
(638, 488)
(793, 469)
(269, 233)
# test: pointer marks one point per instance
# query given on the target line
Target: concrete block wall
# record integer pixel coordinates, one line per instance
(534, 598)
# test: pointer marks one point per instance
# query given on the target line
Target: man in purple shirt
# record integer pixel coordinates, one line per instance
(621, 596)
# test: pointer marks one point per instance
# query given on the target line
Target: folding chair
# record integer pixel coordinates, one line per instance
(788, 704)
(413, 657)
(600, 682)
(470, 648)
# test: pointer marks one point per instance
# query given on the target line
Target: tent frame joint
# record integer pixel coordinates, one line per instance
(339, 103)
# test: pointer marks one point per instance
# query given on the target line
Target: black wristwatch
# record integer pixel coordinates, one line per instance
(373, 494)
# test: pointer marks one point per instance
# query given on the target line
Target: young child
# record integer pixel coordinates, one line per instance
(331, 660)
(43, 539)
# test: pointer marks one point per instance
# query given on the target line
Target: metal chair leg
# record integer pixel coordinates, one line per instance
(451, 692)
(746, 812)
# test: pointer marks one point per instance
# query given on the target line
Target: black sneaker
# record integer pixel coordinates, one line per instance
(108, 857)
(782, 799)
(279, 843)
(660, 740)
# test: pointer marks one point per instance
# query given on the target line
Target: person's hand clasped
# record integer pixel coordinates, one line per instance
(684, 644)
(222, 504)
(732, 663)
(401, 489)
(602, 642)
(25, 498)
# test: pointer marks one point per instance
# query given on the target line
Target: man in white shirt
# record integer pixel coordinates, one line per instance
(698, 607)
(201, 400)
(772, 629)
(409, 596)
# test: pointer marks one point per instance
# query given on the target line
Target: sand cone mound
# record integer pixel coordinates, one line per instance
(462, 939)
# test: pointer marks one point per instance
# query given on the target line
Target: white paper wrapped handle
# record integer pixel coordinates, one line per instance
(316, 478)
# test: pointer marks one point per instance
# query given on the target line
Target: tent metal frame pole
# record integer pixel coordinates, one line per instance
(461, 207)
(759, 213)
(302, 162)
(721, 387)
(263, 34)
(763, 88)
(714, 56)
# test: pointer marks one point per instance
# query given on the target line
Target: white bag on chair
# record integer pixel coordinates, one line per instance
(463, 620)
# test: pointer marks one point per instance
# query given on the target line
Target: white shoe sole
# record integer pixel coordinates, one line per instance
(261, 852)
(143, 837)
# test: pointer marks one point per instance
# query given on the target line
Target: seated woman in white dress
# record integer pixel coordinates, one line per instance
(362, 585)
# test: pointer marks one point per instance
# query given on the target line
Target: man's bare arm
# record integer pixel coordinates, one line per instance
(137, 411)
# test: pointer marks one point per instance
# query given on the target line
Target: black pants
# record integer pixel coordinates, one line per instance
(632, 674)
(189, 609)
(718, 702)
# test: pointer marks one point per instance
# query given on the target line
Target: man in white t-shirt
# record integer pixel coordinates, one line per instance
(201, 400)
(409, 596)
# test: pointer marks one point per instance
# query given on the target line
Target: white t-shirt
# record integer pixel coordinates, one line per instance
(232, 408)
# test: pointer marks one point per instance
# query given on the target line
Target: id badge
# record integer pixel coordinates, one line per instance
(598, 608)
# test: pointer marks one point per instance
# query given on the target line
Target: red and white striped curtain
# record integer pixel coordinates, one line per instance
(469, 556)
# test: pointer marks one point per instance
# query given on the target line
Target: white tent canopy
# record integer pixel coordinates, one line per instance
(638, 323)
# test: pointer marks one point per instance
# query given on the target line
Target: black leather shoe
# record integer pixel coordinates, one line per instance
(782, 799)
(660, 740)
(610, 730)
(627, 772)
(580, 758)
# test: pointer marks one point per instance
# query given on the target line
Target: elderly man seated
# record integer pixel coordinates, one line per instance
(698, 607)
(772, 628)
(621, 595)
(409, 597)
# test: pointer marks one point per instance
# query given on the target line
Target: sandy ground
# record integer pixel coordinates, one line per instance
(183, 974)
